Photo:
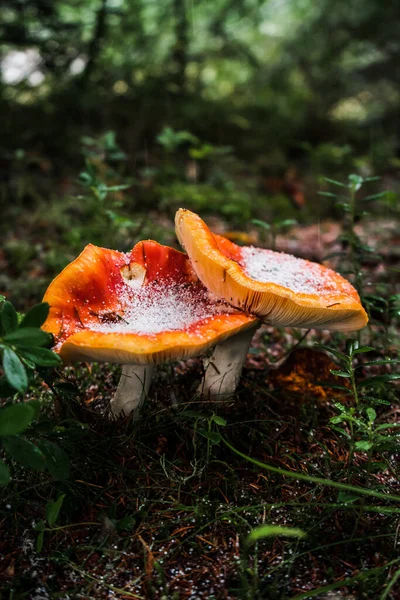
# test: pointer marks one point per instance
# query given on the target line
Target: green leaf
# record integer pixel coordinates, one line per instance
(57, 462)
(372, 197)
(371, 381)
(212, 436)
(117, 188)
(356, 181)
(339, 183)
(219, 420)
(371, 413)
(192, 414)
(327, 194)
(333, 386)
(359, 422)
(266, 531)
(42, 357)
(351, 346)
(388, 361)
(286, 223)
(342, 431)
(53, 509)
(363, 445)
(15, 418)
(363, 349)
(27, 363)
(40, 525)
(340, 373)
(24, 452)
(14, 371)
(336, 420)
(260, 223)
(387, 426)
(344, 205)
(9, 317)
(333, 351)
(36, 316)
(347, 498)
(4, 473)
(85, 178)
(28, 336)
(39, 541)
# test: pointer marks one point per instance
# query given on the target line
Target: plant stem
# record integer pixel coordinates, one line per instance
(312, 479)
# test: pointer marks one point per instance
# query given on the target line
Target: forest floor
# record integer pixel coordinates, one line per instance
(163, 508)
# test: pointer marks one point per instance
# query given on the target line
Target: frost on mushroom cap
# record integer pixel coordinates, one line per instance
(277, 287)
(147, 306)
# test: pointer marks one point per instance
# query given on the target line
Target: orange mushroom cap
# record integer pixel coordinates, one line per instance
(277, 287)
(147, 306)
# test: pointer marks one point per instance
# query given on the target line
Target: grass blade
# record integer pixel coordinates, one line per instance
(318, 480)
(344, 582)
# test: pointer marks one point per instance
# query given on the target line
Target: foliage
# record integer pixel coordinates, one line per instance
(365, 433)
(53, 508)
(99, 193)
(25, 352)
(274, 228)
(24, 346)
(355, 251)
(170, 140)
(259, 87)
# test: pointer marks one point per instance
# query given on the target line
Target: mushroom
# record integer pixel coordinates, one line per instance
(278, 288)
(138, 309)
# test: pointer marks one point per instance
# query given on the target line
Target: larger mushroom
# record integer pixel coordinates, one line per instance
(278, 288)
(138, 309)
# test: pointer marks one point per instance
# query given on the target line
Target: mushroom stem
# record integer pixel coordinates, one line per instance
(132, 389)
(224, 368)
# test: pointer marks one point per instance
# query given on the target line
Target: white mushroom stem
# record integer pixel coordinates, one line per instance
(132, 389)
(224, 368)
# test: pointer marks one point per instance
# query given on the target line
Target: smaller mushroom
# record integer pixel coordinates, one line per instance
(138, 309)
(278, 288)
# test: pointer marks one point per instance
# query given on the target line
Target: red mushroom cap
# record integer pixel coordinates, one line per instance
(147, 306)
(277, 287)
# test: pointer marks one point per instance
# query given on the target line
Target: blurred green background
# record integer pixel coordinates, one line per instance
(279, 80)
(117, 112)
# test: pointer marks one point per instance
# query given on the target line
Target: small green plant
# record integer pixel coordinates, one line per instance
(104, 182)
(104, 209)
(23, 346)
(364, 433)
(248, 564)
(354, 250)
(15, 419)
(104, 148)
(270, 231)
(170, 139)
(25, 354)
(53, 508)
